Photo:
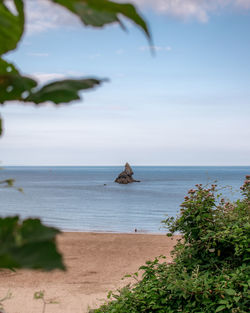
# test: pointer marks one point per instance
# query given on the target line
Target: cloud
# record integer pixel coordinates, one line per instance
(47, 77)
(192, 9)
(43, 15)
(244, 4)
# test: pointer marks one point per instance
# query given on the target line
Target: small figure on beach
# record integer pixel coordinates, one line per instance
(126, 177)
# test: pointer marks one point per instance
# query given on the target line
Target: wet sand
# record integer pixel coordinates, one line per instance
(95, 262)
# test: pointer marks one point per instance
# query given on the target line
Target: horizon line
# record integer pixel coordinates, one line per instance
(120, 165)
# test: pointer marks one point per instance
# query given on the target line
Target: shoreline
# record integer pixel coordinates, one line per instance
(96, 263)
(111, 232)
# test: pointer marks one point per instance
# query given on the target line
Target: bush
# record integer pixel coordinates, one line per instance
(210, 268)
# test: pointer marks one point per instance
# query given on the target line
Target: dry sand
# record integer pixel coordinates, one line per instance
(95, 262)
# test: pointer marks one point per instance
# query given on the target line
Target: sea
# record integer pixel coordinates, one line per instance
(86, 198)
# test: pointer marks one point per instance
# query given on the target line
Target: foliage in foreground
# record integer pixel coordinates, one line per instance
(28, 244)
(17, 87)
(210, 270)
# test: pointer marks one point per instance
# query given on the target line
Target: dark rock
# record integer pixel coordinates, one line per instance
(126, 177)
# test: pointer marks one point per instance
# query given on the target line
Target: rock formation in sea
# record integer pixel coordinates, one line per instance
(126, 177)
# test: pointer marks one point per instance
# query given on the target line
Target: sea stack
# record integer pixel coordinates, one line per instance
(126, 177)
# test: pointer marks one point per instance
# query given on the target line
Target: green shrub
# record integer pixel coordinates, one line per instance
(210, 269)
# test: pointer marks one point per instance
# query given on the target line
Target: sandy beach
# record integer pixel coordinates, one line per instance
(95, 262)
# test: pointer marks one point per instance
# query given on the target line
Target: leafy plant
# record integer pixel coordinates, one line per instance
(10, 182)
(7, 182)
(40, 295)
(6, 297)
(210, 271)
(28, 243)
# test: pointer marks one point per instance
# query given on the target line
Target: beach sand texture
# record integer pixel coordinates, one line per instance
(95, 262)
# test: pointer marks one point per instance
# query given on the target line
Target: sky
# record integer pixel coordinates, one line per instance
(189, 104)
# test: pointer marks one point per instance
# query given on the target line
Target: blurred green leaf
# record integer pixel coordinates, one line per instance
(8, 182)
(98, 13)
(39, 294)
(62, 91)
(28, 244)
(11, 26)
(230, 292)
(33, 230)
(13, 86)
(220, 308)
(1, 126)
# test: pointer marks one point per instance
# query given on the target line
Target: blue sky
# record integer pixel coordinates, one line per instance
(187, 105)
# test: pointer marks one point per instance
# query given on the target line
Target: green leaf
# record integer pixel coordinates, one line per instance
(62, 91)
(39, 295)
(28, 244)
(11, 26)
(13, 86)
(1, 126)
(34, 231)
(236, 299)
(220, 308)
(230, 292)
(223, 302)
(41, 255)
(8, 182)
(98, 13)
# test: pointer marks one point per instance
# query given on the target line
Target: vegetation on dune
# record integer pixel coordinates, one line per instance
(210, 271)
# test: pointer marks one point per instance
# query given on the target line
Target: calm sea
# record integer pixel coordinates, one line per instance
(76, 199)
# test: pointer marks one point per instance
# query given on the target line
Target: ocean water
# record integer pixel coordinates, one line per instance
(76, 199)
